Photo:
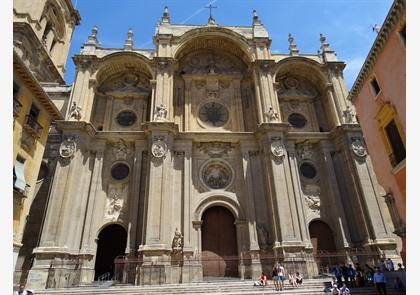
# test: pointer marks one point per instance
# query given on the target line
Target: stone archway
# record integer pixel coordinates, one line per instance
(219, 243)
(322, 237)
(112, 241)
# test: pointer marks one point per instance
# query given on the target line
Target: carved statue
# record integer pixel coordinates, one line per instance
(271, 115)
(161, 112)
(75, 114)
(178, 241)
(114, 206)
(349, 116)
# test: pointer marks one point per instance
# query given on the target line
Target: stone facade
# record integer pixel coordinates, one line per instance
(155, 139)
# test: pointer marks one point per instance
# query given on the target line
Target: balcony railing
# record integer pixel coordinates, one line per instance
(17, 106)
(32, 126)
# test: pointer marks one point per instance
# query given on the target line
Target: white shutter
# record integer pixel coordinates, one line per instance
(20, 182)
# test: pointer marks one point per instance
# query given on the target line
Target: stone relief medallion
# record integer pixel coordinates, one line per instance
(121, 150)
(291, 83)
(217, 175)
(278, 150)
(215, 149)
(358, 148)
(305, 151)
(67, 148)
(159, 148)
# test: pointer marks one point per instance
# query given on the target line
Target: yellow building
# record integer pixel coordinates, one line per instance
(42, 31)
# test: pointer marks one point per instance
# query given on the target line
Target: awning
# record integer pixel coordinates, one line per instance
(19, 173)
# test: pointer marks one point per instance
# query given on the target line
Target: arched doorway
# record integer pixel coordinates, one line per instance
(112, 242)
(219, 245)
(322, 239)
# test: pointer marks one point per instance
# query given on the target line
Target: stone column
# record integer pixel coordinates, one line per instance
(134, 196)
(108, 113)
(164, 85)
(333, 110)
(88, 244)
(238, 105)
(158, 236)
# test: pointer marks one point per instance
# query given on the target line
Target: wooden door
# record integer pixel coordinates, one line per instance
(219, 245)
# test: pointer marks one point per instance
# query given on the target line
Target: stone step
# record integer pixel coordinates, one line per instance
(221, 287)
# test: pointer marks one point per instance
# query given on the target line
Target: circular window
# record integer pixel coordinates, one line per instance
(217, 175)
(308, 170)
(126, 118)
(213, 114)
(297, 120)
(120, 171)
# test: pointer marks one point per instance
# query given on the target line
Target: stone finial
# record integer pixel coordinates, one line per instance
(255, 19)
(165, 16)
(325, 46)
(128, 45)
(292, 46)
(92, 38)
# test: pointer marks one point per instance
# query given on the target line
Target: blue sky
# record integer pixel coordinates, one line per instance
(347, 24)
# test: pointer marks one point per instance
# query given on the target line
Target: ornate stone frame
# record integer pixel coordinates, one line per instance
(124, 180)
(205, 126)
(223, 162)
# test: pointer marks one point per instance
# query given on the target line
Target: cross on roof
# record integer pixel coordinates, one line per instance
(210, 7)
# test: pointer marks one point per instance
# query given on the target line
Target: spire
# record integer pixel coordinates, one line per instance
(255, 18)
(129, 41)
(292, 46)
(165, 16)
(325, 46)
(92, 38)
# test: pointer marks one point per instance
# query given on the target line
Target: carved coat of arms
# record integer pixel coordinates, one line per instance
(67, 148)
(159, 148)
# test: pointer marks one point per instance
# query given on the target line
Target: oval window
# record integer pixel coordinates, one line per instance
(297, 120)
(120, 171)
(126, 118)
(308, 170)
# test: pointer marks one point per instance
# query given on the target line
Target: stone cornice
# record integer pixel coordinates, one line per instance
(32, 83)
(391, 20)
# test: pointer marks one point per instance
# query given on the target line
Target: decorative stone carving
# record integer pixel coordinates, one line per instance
(313, 202)
(293, 88)
(121, 150)
(305, 151)
(213, 114)
(203, 63)
(278, 150)
(271, 115)
(75, 112)
(262, 236)
(114, 204)
(215, 149)
(126, 85)
(161, 112)
(159, 147)
(312, 196)
(349, 116)
(177, 241)
(200, 84)
(358, 147)
(217, 175)
(67, 148)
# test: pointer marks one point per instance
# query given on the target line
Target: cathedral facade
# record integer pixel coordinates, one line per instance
(208, 150)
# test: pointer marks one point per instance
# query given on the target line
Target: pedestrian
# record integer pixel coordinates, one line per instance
(21, 290)
(280, 276)
(274, 276)
(382, 265)
(292, 280)
(299, 279)
(345, 273)
(400, 268)
(337, 274)
(380, 281)
(30, 292)
(335, 290)
(344, 290)
(352, 274)
(390, 264)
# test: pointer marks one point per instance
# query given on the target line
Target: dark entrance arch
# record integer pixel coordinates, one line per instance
(219, 245)
(112, 242)
(322, 237)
